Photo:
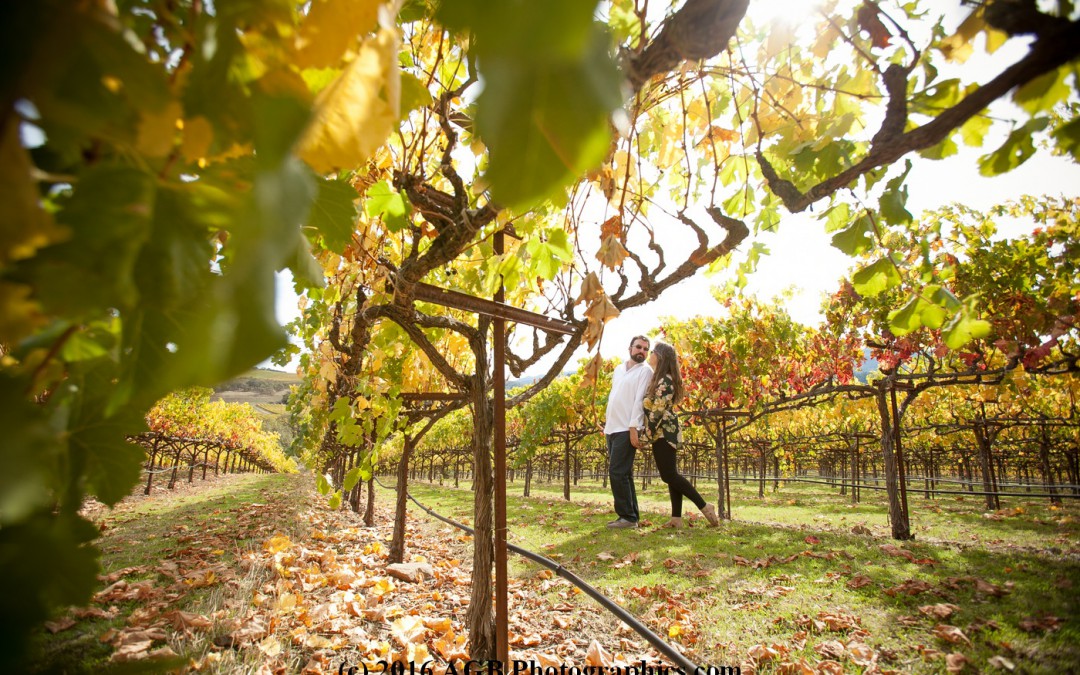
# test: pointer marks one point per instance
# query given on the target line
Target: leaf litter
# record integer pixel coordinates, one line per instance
(329, 596)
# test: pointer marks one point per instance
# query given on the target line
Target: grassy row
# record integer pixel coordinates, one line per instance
(1012, 576)
(215, 525)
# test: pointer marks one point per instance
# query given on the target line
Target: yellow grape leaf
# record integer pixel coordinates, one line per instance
(590, 288)
(270, 646)
(611, 252)
(382, 587)
(408, 630)
(593, 331)
(354, 115)
(286, 603)
(277, 544)
(331, 29)
(623, 170)
(157, 130)
(592, 371)
(327, 371)
(602, 310)
(957, 47)
(598, 656)
(439, 625)
(417, 653)
(781, 37)
(826, 38)
(718, 135)
(19, 315)
(24, 225)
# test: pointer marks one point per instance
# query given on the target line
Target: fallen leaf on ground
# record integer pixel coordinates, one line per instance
(940, 610)
(598, 656)
(859, 581)
(1044, 623)
(59, 625)
(955, 662)
(951, 634)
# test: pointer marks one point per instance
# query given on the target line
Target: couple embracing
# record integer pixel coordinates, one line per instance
(640, 411)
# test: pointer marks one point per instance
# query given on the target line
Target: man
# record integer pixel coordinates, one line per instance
(624, 419)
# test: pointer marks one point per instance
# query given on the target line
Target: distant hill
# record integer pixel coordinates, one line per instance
(526, 381)
(258, 386)
(867, 367)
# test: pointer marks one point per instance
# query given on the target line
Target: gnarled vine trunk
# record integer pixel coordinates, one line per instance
(894, 483)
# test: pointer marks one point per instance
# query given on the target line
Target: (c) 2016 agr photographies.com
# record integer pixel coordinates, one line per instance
(524, 668)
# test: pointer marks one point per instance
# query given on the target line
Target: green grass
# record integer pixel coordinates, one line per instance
(213, 523)
(1031, 554)
(773, 578)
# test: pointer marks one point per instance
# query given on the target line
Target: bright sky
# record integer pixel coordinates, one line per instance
(801, 258)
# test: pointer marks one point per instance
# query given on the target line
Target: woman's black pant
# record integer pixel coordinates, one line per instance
(677, 485)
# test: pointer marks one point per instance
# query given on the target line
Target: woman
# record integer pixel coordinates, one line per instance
(662, 428)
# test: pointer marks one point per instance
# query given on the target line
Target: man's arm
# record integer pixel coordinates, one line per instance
(637, 420)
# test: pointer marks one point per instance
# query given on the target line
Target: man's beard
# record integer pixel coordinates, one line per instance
(637, 358)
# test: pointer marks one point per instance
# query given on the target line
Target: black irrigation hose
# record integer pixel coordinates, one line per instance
(626, 617)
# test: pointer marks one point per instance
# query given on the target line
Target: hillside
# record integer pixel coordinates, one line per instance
(257, 387)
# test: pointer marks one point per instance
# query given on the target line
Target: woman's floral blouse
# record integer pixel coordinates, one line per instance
(660, 418)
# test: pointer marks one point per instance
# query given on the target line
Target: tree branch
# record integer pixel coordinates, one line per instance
(1056, 46)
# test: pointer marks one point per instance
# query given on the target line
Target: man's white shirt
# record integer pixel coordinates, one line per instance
(624, 408)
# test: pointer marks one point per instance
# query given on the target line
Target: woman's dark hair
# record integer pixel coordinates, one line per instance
(667, 363)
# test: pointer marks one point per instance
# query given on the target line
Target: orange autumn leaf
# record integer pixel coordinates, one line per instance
(951, 634)
(870, 21)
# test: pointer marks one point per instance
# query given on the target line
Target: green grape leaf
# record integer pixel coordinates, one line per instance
(856, 239)
(876, 278)
(894, 200)
(546, 122)
(46, 562)
(109, 220)
(963, 328)
(946, 148)
(333, 215)
(1044, 92)
(1016, 149)
(908, 318)
(413, 93)
(31, 453)
(546, 257)
(1067, 138)
(391, 206)
(837, 217)
(940, 296)
(973, 132)
(353, 477)
(933, 316)
(97, 432)
(322, 484)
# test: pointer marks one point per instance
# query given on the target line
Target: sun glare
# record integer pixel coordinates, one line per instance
(790, 12)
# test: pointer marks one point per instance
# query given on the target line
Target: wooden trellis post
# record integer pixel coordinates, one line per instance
(500, 313)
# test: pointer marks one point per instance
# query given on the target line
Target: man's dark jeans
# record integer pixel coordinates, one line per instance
(621, 470)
